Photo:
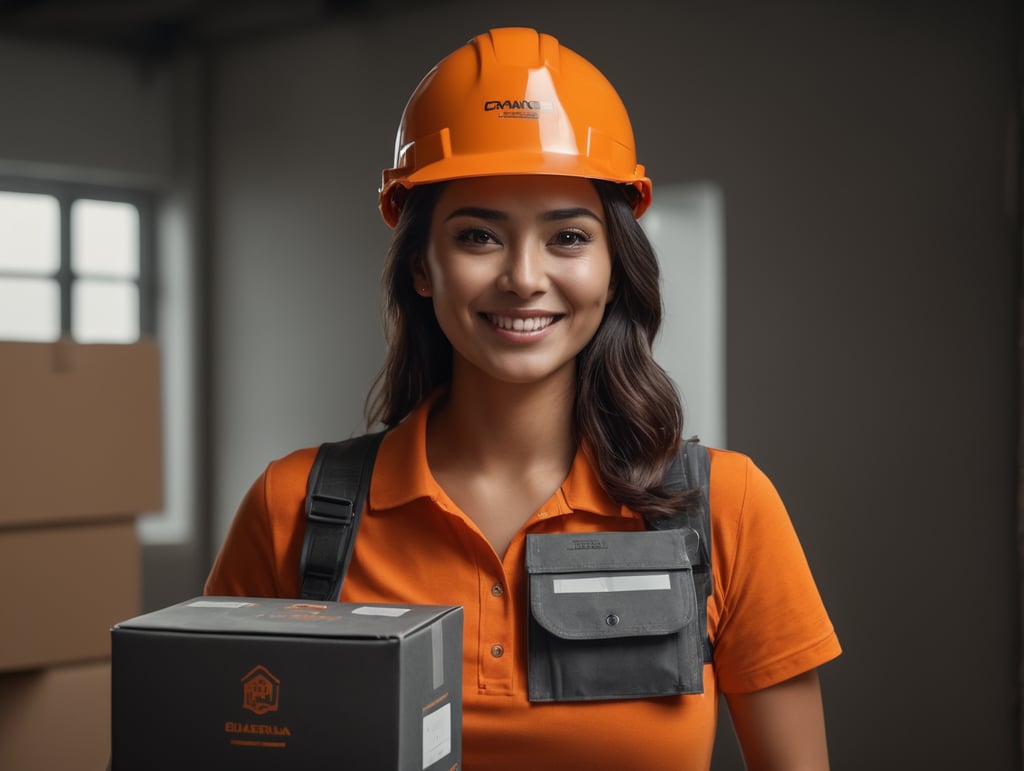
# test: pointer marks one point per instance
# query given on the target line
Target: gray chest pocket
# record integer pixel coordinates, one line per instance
(612, 616)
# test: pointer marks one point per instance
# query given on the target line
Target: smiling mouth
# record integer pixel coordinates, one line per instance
(510, 324)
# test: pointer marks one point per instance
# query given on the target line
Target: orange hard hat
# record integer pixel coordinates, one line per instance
(512, 101)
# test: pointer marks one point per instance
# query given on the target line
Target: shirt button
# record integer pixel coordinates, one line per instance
(497, 591)
(497, 651)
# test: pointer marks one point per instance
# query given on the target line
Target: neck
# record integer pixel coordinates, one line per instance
(495, 425)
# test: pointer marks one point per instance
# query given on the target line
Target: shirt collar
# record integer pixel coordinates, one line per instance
(402, 474)
(583, 491)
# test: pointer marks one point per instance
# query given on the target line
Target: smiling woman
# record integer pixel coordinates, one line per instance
(527, 419)
(519, 271)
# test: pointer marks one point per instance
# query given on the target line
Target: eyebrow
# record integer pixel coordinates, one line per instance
(495, 215)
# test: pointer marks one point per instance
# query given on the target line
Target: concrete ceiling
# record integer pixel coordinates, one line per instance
(156, 28)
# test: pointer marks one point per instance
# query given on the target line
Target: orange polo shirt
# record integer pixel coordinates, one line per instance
(765, 617)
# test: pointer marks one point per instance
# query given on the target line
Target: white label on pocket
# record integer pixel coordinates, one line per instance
(437, 735)
(645, 583)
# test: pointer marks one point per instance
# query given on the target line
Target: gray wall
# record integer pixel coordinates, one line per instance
(872, 288)
(88, 115)
(866, 157)
(82, 115)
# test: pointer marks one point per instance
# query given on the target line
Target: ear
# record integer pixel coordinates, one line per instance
(421, 279)
(612, 283)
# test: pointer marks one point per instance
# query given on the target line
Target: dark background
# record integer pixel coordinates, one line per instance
(867, 155)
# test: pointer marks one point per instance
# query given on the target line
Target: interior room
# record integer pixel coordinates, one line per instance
(838, 216)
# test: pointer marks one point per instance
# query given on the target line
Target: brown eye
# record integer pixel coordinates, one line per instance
(570, 238)
(475, 236)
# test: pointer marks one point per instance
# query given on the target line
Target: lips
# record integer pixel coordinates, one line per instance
(520, 324)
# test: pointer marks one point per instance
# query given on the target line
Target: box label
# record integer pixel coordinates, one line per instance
(367, 610)
(437, 735)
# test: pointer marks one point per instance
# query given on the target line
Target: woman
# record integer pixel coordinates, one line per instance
(521, 301)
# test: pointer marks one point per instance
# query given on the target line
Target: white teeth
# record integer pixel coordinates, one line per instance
(521, 325)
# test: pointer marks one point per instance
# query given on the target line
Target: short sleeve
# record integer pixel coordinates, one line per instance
(260, 554)
(244, 564)
(768, 621)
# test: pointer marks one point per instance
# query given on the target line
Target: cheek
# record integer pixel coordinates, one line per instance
(594, 290)
(462, 282)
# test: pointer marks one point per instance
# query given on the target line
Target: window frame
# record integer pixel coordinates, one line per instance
(66, 193)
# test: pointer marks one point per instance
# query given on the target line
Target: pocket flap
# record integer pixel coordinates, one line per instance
(608, 585)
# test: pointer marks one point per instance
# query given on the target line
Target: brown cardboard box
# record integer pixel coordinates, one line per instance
(62, 588)
(80, 434)
(56, 719)
(250, 684)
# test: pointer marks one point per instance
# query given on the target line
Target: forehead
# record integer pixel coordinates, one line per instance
(521, 194)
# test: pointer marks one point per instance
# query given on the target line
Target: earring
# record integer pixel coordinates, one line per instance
(424, 291)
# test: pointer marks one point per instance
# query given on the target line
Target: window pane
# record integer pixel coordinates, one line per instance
(29, 309)
(105, 311)
(29, 232)
(104, 238)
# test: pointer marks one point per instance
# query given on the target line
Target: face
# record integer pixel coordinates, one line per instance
(519, 269)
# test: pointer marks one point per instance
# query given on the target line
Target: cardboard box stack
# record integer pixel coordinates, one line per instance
(79, 460)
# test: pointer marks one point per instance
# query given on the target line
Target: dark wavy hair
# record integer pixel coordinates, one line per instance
(628, 415)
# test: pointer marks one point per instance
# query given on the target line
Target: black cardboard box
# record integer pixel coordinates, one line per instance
(245, 683)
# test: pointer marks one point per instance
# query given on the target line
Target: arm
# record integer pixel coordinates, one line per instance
(245, 564)
(782, 727)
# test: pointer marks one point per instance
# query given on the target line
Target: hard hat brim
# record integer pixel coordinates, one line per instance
(396, 181)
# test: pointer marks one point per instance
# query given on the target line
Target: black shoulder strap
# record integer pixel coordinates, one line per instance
(335, 497)
(691, 469)
(340, 478)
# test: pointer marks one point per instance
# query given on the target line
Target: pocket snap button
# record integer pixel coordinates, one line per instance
(611, 619)
(497, 651)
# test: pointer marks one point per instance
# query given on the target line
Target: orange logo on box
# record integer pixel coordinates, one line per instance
(260, 691)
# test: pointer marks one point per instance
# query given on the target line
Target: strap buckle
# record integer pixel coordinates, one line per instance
(328, 510)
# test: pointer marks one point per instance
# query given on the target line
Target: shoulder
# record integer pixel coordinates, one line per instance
(737, 482)
(747, 514)
(284, 479)
(295, 463)
(728, 463)
(259, 555)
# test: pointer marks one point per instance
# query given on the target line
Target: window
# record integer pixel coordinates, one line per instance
(686, 225)
(78, 261)
(75, 260)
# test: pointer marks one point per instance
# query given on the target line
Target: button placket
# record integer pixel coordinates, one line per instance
(496, 632)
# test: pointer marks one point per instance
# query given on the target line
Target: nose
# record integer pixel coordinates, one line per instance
(524, 271)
